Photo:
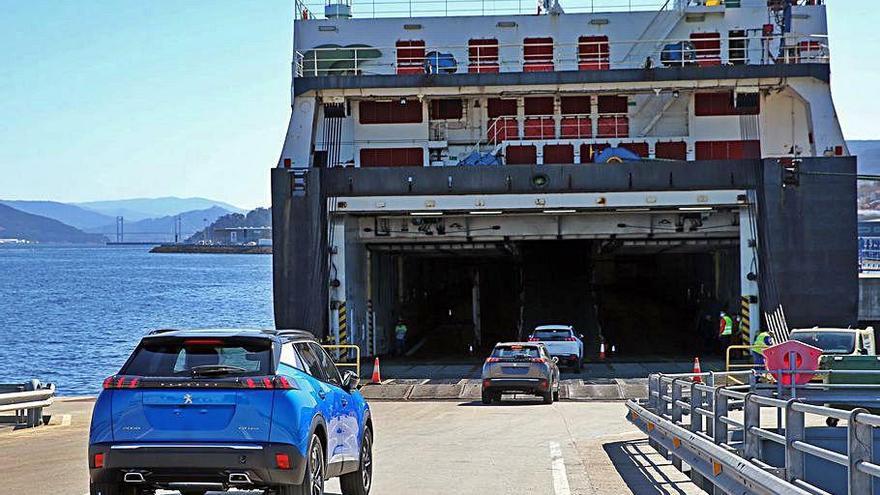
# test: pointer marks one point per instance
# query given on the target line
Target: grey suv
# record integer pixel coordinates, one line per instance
(520, 367)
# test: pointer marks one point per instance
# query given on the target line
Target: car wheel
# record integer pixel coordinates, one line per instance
(313, 480)
(487, 397)
(548, 397)
(360, 481)
(556, 395)
(580, 364)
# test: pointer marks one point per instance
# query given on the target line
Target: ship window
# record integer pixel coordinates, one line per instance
(390, 112)
(498, 107)
(392, 157)
(411, 57)
(593, 53)
(727, 150)
(722, 103)
(575, 105)
(708, 48)
(483, 55)
(538, 54)
(538, 105)
(446, 109)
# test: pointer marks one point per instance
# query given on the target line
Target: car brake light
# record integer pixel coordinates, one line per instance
(570, 339)
(282, 461)
(188, 342)
(542, 384)
(533, 339)
(99, 460)
(493, 360)
(539, 360)
(487, 383)
(118, 382)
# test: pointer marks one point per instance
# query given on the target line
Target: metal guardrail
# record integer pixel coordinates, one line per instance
(27, 401)
(729, 365)
(706, 441)
(342, 355)
(557, 55)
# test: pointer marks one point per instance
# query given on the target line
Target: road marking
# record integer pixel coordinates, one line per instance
(557, 466)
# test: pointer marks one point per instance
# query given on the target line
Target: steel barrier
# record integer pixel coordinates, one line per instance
(27, 401)
(739, 463)
(730, 366)
(342, 352)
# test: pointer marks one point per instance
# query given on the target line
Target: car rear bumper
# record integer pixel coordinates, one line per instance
(170, 465)
(530, 385)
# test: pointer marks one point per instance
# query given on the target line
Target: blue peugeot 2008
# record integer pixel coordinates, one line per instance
(208, 410)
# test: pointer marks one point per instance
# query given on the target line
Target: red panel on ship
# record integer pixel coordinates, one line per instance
(411, 57)
(593, 53)
(559, 153)
(521, 155)
(727, 150)
(538, 54)
(483, 56)
(392, 157)
(676, 150)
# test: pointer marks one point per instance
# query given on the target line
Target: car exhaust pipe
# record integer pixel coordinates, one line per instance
(134, 478)
(240, 479)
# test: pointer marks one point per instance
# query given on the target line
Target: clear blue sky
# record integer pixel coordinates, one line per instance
(114, 99)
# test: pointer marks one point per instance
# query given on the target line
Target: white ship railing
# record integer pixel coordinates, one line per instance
(506, 57)
(361, 9)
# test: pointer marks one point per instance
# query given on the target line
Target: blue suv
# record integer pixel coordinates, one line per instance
(208, 410)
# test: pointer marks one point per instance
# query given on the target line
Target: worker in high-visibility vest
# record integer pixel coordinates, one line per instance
(400, 337)
(762, 341)
(725, 330)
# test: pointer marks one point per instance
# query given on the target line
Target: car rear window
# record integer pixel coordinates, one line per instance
(515, 351)
(830, 342)
(551, 335)
(177, 357)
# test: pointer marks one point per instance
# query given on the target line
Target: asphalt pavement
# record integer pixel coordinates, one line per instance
(422, 448)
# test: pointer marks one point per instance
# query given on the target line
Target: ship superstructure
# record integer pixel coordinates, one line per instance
(477, 172)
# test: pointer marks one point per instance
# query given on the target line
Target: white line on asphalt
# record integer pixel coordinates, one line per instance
(557, 466)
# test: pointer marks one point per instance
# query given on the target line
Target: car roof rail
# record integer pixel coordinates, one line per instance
(295, 333)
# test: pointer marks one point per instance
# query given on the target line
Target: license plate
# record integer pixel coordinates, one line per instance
(515, 371)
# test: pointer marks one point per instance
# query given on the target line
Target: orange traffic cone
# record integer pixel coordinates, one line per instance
(602, 351)
(377, 377)
(697, 371)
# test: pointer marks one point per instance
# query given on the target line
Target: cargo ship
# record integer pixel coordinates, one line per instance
(631, 168)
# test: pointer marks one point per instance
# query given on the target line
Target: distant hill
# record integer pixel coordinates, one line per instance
(868, 153)
(260, 217)
(72, 215)
(17, 224)
(162, 228)
(143, 208)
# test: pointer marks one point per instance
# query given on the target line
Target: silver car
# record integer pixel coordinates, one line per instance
(520, 367)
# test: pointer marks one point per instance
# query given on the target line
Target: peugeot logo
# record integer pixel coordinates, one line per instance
(187, 399)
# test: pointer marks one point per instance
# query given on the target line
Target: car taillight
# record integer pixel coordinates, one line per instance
(493, 360)
(121, 381)
(543, 384)
(285, 383)
(282, 461)
(533, 339)
(539, 360)
(570, 339)
(270, 382)
(212, 342)
(99, 460)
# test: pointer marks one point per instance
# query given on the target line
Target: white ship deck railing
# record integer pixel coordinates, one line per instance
(791, 48)
(368, 9)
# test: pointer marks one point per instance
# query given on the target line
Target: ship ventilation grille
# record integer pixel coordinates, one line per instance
(749, 127)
